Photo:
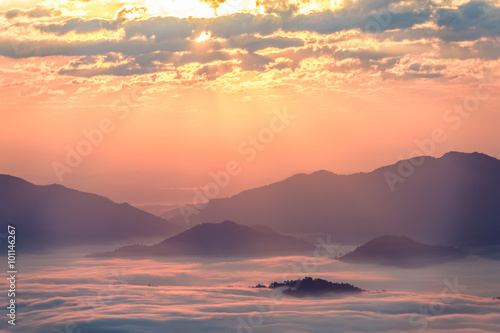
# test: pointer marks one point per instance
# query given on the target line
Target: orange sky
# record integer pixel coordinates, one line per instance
(176, 89)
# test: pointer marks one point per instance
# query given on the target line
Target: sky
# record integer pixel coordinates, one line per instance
(142, 101)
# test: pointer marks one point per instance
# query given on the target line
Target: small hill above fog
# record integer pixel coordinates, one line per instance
(226, 239)
(402, 252)
(314, 287)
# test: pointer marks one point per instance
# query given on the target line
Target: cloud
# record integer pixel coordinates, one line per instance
(162, 28)
(410, 76)
(45, 48)
(483, 49)
(214, 296)
(253, 42)
(131, 11)
(281, 7)
(242, 23)
(36, 12)
(214, 3)
(79, 26)
(214, 71)
(252, 61)
(470, 21)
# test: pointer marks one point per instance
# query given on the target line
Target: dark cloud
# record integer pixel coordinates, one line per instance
(90, 47)
(212, 72)
(410, 76)
(252, 61)
(126, 69)
(79, 26)
(324, 23)
(13, 13)
(418, 67)
(487, 50)
(36, 12)
(470, 21)
(389, 20)
(87, 60)
(280, 7)
(328, 22)
(482, 49)
(253, 43)
(369, 6)
(162, 28)
(242, 23)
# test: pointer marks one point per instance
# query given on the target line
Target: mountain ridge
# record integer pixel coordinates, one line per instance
(433, 203)
(225, 239)
(401, 251)
(54, 216)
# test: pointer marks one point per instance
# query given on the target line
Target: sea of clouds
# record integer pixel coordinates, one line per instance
(70, 293)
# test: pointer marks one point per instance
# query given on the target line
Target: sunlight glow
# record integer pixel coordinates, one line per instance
(335, 4)
(203, 37)
(179, 8)
(142, 9)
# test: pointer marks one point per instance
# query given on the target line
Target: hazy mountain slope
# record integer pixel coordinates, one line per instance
(401, 251)
(226, 239)
(449, 200)
(52, 216)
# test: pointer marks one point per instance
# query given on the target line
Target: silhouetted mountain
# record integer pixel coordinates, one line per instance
(452, 200)
(53, 216)
(401, 251)
(314, 287)
(226, 239)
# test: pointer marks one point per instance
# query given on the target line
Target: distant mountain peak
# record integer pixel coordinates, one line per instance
(225, 239)
(322, 172)
(314, 174)
(474, 155)
(228, 223)
(401, 251)
(391, 239)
